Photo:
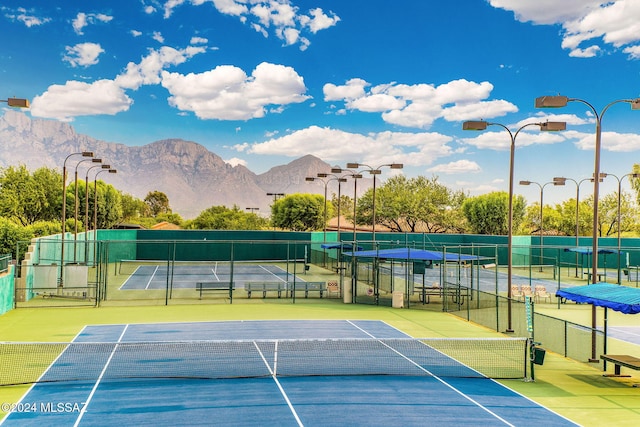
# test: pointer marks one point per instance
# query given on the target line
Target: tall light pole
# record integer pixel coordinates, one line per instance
(340, 180)
(561, 101)
(560, 180)
(619, 219)
(276, 196)
(326, 182)
(482, 125)
(356, 176)
(95, 205)
(64, 210)
(95, 197)
(541, 213)
(558, 101)
(374, 172)
(253, 210)
(87, 224)
(75, 205)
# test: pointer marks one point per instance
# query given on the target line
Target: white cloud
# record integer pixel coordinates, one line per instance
(500, 140)
(419, 105)
(457, 167)
(412, 149)
(198, 40)
(615, 22)
(27, 17)
(63, 102)
(74, 98)
(633, 51)
(157, 36)
(352, 90)
(83, 54)
(589, 52)
(227, 93)
(279, 16)
(318, 20)
(611, 141)
(149, 68)
(135, 33)
(83, 19)
(235, 161)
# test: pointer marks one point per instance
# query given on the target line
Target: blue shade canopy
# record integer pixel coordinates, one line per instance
(412, 254)
(589, 250)
(619, 298)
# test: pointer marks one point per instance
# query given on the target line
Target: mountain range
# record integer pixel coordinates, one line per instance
(192, 177)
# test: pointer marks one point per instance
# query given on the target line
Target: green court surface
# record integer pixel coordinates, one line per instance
(575, 390)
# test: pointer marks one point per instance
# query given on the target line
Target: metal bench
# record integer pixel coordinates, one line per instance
(202, 287)
(265, 287)
(620, 360)
(307, 287)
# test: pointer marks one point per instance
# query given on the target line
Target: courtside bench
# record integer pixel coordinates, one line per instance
(281, 287)
(320, 287)
(620, 360)
(202, 287)
(265, 287)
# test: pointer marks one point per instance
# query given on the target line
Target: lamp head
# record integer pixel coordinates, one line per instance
(96, 160)
(635, 104)
(342, 179)
(309, 178)
(356, 176)
(560, 180)
(396, 165)
(87, 154)
(18, 102)
(553, 126)
(556, 101)
(113, 171)
(322, 175)
(336, 170)
(106, 166)
(475, 125)
(353, 165)
(525, 182)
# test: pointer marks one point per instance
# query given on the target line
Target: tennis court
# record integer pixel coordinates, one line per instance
(303, 372)
(146, 275)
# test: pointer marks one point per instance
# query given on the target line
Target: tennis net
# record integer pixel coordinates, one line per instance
(26, 363)
(183, 268)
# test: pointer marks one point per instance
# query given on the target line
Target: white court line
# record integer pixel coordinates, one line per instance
(22, 399)
(151, 278)
(478, 404)
(95, 386)
(273, 375)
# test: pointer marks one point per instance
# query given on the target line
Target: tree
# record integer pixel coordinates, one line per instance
(223, 218)
(158, 202)
(608, 214)
(10, 234)
(27, 197)
(489, 213)
(132, 207)
(299, 212)
(552, 219)
(408, 204)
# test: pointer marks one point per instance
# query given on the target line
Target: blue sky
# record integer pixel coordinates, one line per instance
(263, 82)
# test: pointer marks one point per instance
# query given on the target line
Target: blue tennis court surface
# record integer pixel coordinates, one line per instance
(317, 400)
(156, 276)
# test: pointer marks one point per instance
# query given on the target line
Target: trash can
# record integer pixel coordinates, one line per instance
(397, 300)
(538, 355)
